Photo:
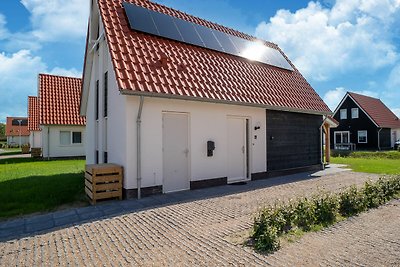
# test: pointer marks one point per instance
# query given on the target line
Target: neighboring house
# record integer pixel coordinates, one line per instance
(365, 123)
(35, 136)
(58, 127)
(17, 132)
(195, 112)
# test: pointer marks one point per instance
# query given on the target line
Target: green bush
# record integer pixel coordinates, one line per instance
(304, 214)
(272, 222)
(326, 209)
(351, 202)
(373, 194)
(267, 241)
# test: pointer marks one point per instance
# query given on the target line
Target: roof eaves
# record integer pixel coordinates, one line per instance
(216, 101)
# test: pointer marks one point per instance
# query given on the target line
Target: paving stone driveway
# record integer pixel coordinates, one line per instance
(198, 232)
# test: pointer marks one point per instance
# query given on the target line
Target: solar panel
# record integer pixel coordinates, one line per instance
(208, 38)
(140, 19)
(166, 26)
(159, 24)
(188, 32)
(225, 42)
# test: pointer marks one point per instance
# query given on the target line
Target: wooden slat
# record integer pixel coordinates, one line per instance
(110, 194)
(109, 186)
(103, 179)
(89, 193)
(89, 185)
(88, 177)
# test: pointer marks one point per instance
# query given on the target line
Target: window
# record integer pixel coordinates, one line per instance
(97, 100)
(76, 137)
(105, 93)
(354, 113)
(105, 157)
(362, 137)
(68, 138)
(65, 138)
(343, 114)
(97, 157)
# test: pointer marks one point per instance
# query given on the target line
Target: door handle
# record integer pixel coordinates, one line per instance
(186, 151)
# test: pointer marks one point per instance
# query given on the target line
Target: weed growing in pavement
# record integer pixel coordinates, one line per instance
(290, 221)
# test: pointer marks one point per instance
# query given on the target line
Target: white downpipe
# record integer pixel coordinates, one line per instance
(379, 139)
(48, 143)
(138, 146)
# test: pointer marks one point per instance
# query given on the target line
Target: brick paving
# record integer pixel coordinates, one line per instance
(198, 232)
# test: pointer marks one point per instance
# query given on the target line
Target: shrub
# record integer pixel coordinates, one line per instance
(326, 209)
(351, 202)
(268, 241)
(272, 222)
(304, 214)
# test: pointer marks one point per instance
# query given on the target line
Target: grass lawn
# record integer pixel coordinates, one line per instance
(10, 151)
(28, 185)
(372, 162)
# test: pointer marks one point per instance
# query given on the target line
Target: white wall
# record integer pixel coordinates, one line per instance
(395, 135)
(207, 122)
(14, 140)
(35, 139)
(58, 150)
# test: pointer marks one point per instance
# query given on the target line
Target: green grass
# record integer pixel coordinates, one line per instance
(372, 162)
(10, 151)
(28, 185)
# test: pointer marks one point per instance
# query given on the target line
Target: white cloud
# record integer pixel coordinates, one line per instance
(3, 29)
(58, 20)
(333, 97)
(394, 78)
(18, 79)
(66, 72)
(323, 42)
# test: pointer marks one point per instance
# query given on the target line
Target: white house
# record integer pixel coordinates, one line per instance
(56, 125)
(183, 103)
(35, 133)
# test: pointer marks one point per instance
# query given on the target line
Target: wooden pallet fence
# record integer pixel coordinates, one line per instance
(103, 181)
(36, 152)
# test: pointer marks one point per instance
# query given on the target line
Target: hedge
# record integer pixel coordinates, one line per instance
(274, 221)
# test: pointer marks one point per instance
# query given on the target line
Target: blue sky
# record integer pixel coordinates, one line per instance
(339, 46)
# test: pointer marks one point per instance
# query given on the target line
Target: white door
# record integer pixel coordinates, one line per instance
(237, 150)
(175, 152)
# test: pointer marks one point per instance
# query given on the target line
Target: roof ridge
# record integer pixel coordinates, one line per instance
(60, 76)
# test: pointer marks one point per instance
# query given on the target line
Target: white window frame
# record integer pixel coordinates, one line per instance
(366, 136)
(71, 143)
(343, 114)
(354, 113)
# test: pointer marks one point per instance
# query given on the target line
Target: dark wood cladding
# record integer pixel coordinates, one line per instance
(293, 140)
(362, 123)
(208, 183)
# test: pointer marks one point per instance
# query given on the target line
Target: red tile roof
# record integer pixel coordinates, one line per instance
(146, 64)
(59, 100)
(377, 111)
(33, 113)
(14, 130)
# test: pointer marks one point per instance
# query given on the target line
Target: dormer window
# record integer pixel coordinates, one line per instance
(343, 114)
(354, 113)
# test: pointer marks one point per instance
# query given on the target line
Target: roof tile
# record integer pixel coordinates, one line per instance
(33, 113)
(14, 130)
(59, 100)
(207, 73)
